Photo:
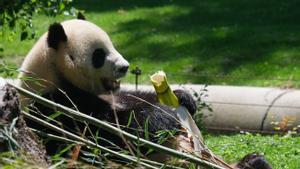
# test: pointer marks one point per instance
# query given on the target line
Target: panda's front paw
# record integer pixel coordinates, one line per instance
(186, 100)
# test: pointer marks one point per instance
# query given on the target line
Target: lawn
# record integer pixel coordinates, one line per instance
(213, 42)
(281, 152)
(225, 42)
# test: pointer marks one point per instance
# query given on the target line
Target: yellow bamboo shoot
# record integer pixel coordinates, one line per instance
(164, 93)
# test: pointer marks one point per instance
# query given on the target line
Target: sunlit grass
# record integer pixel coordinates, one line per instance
(234, 43)
(282, 152)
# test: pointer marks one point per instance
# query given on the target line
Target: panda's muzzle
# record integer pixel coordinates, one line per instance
(114, 84)
(111, 85)
(120, 72)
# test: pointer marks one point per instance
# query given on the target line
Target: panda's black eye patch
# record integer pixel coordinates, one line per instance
(98, 58)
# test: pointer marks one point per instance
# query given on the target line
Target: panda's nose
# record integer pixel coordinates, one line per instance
(123, 69)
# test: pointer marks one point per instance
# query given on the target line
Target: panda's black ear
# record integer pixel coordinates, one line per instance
(56, 35)
(80, 16)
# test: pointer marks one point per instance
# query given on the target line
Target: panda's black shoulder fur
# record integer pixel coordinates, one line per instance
(126, 105)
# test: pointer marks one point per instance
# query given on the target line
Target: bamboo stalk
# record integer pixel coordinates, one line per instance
(55, 137)
(85, 141)
(159, 164)
(64, 139)
(114, 130)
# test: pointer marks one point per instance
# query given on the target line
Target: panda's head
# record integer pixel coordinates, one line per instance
(85, 56)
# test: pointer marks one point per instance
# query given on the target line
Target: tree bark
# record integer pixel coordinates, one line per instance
(28, 144)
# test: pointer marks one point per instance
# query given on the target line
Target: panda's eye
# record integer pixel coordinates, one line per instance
(98, 58)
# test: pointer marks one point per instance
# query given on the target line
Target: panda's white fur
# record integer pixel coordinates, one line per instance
(83, 38)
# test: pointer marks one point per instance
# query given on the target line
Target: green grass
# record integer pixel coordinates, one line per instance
(213, 42)
(282, 152)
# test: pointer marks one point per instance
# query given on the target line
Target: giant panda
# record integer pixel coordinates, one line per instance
(78, 58)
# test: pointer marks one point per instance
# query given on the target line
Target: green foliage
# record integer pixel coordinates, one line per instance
(146, 129)
(201, 105)
(6, 135)
(60, 153)
(19, 13)
(163, 135)
(9, 160)
(8, 70)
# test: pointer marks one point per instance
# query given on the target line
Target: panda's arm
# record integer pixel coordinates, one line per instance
(184, 98)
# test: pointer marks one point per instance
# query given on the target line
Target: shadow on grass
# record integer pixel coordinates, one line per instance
(222, 34)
